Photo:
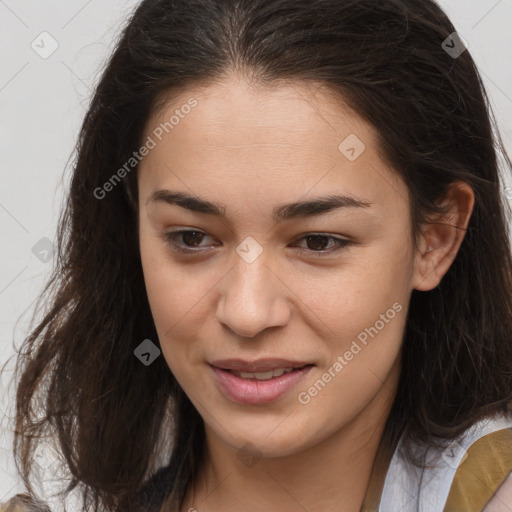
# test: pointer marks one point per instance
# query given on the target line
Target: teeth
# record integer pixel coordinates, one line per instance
(264, 375)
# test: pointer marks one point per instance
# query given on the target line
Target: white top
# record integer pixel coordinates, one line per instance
(411, 489)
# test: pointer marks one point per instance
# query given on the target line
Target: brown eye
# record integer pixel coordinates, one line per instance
(191, 238)
(317, 244)
(185, 240)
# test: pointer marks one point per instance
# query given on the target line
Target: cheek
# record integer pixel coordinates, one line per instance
(353, 297)
(176, 296)
(170, 290)
(167, 291)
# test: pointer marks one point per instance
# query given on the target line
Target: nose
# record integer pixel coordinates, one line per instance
(252, 299)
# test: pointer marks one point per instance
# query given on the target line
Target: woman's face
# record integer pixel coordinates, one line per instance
(298, 248)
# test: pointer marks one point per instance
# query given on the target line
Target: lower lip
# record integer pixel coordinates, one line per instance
(255, 392)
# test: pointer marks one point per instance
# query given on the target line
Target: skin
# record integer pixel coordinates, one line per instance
(253, 148)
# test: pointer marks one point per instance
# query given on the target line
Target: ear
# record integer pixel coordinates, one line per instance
(441, 237)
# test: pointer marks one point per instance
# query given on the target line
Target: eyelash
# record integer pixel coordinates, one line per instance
(170, 238)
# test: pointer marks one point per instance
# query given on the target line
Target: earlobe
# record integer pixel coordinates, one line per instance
(442, 236)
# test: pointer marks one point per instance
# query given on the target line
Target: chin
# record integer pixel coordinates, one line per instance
(266, 441)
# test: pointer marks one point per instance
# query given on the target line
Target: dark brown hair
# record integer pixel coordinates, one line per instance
(116, 421)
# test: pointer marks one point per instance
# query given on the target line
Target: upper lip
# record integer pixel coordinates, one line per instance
(259, 365)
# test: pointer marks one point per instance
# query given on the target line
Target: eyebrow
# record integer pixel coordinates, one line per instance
(300, 209)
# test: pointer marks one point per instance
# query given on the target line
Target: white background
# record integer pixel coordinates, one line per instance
(43, 101)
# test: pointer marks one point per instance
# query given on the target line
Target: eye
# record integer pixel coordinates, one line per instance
(185, 240)
(317, 244)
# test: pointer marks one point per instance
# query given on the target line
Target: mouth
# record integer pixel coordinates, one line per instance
(258, 382)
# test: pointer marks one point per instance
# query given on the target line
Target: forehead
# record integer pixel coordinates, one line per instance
(258, 141)
(233, 112)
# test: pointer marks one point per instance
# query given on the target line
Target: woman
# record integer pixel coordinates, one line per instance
(284, 269)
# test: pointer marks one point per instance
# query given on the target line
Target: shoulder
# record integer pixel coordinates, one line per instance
(484, 475)
(464, 475)
(23, 503)
(149, 499)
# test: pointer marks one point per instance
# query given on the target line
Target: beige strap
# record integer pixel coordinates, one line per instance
(478, 477)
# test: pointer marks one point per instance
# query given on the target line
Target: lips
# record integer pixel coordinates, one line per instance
(258, 382)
